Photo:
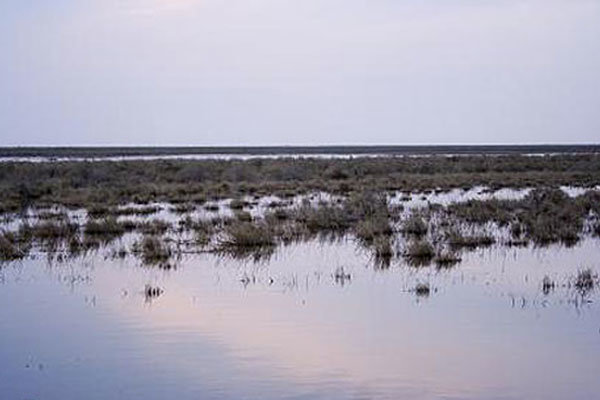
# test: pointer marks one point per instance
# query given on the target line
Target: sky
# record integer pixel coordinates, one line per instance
(303, 72)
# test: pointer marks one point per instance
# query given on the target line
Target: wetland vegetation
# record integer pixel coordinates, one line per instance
(392, 208)
(101, 185)
(280, 201)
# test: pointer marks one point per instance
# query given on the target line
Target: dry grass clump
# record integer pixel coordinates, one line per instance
(154, 251)
(11, 247)
(52, 215)
(446, 259)
(100, 211)
(53, 231)
(243, 216)
(204, 231)
(383, 248)
(77, 246)
(483, 211)
(154, 227)
(145, 210)
(106, 228)
(183, 208)
(369, 230)
(247, 240)
(238, 204)
(550, 216)
(369, 214)
(419, 252)
(243, 234)
(277, 216)
(415, 225)
(366, 205)
(323, 218)
(457, 240)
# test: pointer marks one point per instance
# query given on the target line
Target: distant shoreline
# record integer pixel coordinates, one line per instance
(8, 152)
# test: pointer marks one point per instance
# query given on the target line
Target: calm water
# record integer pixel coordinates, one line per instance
(251, 156)
(286, 328)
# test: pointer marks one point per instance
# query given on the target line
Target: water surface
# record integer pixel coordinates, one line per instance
(287, 328)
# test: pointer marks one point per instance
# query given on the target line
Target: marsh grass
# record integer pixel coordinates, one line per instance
(101, 211)
(12, 247)
(369, 230)
(238, 204)
(323, 218)
(242, 234)
(243, 216)
(419, 252)
(52, 215)
(204, 230)
(153, 227)
(54, 231)
(542, 217)
(457, 240)
(446, 259)
(108, 228)
(382, 247)
(211, 207)
(484, 211)
(585, 282)
(182, 181)
(183, 208)
(277, 216)
(415, 225)
(154, 251)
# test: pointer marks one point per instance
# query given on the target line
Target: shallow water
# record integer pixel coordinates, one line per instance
(196, 157)
(258, 207)
(287, 328)
(266, 156)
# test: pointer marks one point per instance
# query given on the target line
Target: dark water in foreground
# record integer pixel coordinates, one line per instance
(226, 329)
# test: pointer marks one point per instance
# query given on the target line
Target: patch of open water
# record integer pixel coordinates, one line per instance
(287, 328)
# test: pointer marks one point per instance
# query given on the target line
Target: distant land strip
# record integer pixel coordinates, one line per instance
(294, 150)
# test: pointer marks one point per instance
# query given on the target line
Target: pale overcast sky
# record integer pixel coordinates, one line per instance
(233, 72)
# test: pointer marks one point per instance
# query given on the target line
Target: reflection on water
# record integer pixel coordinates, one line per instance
(314, 321)
(259, 206)
(202, 157)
